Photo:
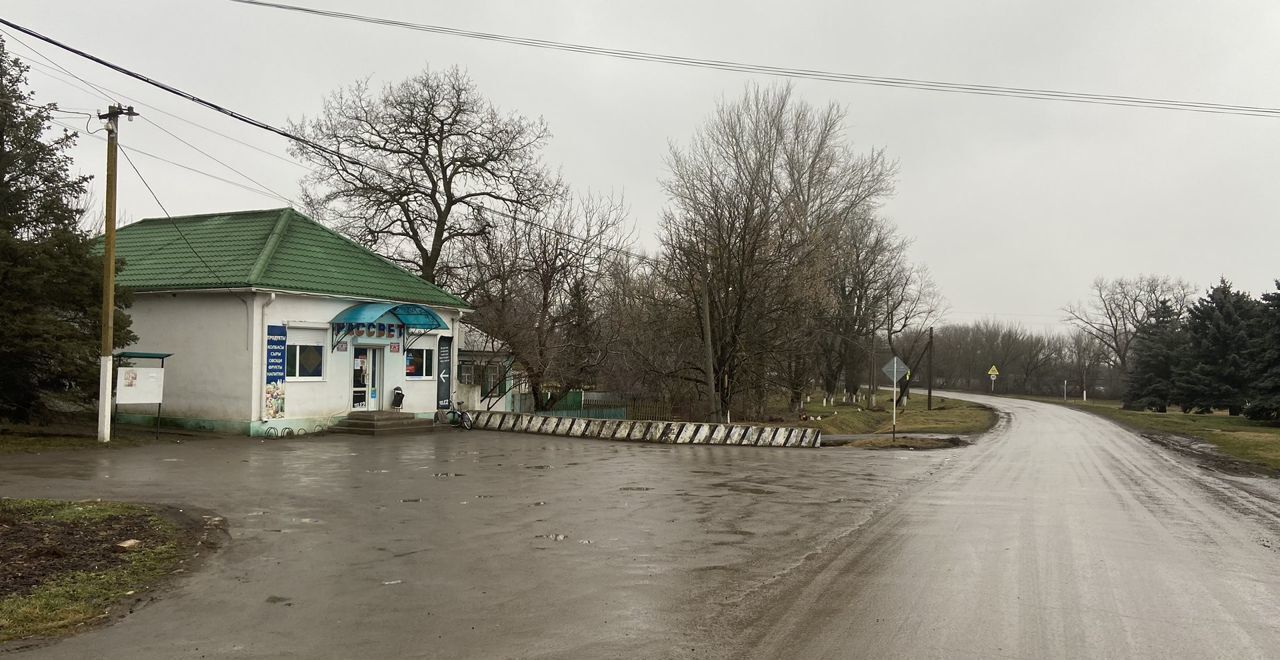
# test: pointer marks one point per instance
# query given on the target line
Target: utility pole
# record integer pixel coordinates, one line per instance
(711, 360)
(112, 117)
(930, 367)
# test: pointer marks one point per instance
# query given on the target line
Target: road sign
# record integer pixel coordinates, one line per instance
(993, 371)
(895, 369)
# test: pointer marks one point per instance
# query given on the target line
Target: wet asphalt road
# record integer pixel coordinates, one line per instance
(661, 542)
(1056, 536)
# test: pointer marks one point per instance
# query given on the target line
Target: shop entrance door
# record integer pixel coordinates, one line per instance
(364, 378)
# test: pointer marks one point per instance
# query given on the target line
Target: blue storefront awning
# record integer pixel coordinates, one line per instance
(414, 317)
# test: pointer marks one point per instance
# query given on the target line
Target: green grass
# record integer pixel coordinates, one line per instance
(1238, 437)
(66, 600)
(23, 440)
(950, 416)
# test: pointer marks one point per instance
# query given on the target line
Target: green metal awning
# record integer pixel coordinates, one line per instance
(135, 355)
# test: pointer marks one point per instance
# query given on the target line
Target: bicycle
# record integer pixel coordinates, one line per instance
(455, 416)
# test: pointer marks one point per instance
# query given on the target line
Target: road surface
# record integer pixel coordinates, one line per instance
(1058, 535)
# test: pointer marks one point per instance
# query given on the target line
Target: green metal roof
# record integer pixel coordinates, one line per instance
(277, 249)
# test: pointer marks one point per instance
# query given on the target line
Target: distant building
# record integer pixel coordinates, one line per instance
(486, 373)
(279, 325)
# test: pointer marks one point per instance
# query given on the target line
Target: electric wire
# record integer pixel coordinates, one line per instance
(787, 72)
(218, 161)
(186, 167)
(124, 152)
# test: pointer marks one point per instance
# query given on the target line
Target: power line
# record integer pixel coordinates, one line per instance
(808, 74)
(59, 66)
(51, 73)
(258, 124)
(185, 167)
(210, 156)
(171, 220)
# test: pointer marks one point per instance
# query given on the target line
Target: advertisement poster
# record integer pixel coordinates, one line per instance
(273, 393)
(445, 373)
(139, 385)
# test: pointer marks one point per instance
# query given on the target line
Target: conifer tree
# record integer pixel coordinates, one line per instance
(1264, 355)
(1157, 349)
(50, 278)
(1216, 372)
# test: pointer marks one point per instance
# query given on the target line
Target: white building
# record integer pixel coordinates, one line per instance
(278, 324)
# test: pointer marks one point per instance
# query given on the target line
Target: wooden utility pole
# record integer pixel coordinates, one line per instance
(711, 359)
(930, 367)
(112, 117)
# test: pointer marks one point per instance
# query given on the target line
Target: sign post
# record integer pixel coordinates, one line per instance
(994, 373)
(894, 369)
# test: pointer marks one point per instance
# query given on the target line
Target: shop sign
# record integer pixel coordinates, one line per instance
(395, 347)
(444, 377)
(273, 393)
(369, 332)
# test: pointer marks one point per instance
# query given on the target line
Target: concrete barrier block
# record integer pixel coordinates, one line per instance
(622, 429)
(719, 433)
(811, 438)
(672, 431)
(749, 435)
(817, 439)
(574, 430)
(495, 421)
(491, 421)
(780, 437)
(796, 437)
(657, 432)
(537, 424)
(518, 423)
(639, 431)
(480, 418)
(703, 434)
(607, 427)
(736, 434)
(686, 434)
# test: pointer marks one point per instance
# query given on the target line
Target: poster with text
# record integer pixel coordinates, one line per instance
(445, 373)
(273, 393)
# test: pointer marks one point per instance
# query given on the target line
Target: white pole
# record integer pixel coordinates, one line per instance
(894, 402)
(1064, 390)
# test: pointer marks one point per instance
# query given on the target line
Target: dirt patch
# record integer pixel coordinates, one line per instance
(1207, 456)
(64, 568)
(901, 442)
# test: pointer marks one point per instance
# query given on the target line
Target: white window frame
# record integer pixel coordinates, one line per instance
(431, 370)
(324, 364)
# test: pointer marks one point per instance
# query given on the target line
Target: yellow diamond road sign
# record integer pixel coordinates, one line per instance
(993, 371)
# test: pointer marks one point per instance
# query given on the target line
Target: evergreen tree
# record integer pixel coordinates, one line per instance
(1216, 372)
(1264, 355)
(1157, 348)
(50, 278)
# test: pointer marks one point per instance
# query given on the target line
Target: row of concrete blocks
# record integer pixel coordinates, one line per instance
(680, 433)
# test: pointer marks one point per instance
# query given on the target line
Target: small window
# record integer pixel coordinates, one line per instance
(466, 374)
(492, 379)
(419, 363)
(304, 361)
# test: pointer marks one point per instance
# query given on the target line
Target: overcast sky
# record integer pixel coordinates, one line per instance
(1014, 205)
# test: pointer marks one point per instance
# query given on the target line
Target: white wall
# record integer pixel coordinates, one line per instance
(218, 368)
(332, 396)
(208, 376)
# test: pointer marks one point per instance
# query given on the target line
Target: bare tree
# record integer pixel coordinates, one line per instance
(757, 200)
(1118, 308)
(537, 283)
(423, 158)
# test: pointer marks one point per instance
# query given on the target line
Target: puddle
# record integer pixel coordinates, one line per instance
(444, 475)
(412, 499)
(551, 537)
(635, 488)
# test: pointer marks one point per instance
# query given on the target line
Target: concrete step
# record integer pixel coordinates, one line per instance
(385, 423)
(400, 430)
(380, 414)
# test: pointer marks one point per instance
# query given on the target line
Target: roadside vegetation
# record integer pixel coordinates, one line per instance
(62, 566)
(949, 416)
(32, 439)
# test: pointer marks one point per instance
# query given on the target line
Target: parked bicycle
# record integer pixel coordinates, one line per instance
(455, 416)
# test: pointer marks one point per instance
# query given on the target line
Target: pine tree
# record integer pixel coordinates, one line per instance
(1216, 372)
(50, 278)
(1264, 355)
(1157, 348)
